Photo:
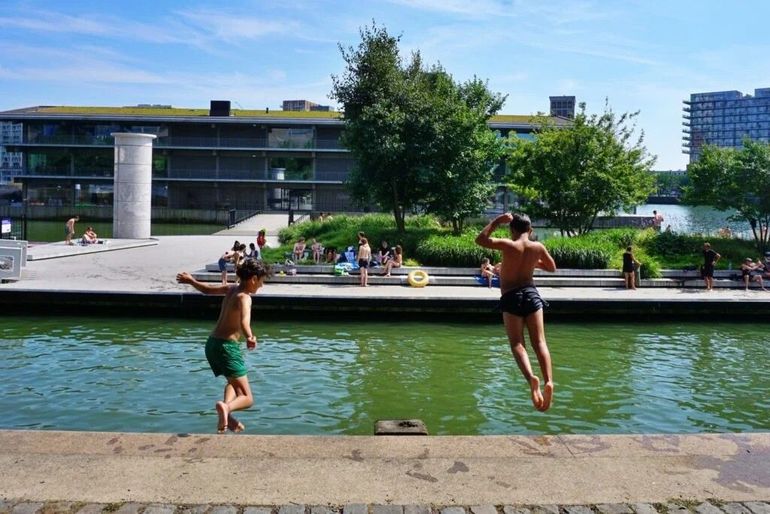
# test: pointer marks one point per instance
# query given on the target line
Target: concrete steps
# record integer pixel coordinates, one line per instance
(444, 276)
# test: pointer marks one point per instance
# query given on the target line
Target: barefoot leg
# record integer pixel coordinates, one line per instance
(534, 389)
(223, 411)
(547, 396)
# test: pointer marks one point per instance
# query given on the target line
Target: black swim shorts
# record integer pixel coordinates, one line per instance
(522, 301)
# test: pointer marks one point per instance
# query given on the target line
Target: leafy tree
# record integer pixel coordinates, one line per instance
(570, 174)
(735, 179)
(420, 140)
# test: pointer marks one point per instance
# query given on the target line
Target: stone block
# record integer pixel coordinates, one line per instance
(195, 509)
(387, 509)
(355, 508)
(644, 508)
(758, 507)
(400, 427)
(161, 508)
(322, 509)
(578, 509)
(614, 508)
(291, 509)
(708, 508)
(735, 508)
(91, 508)
(54, 508)
(510, 509)
(257, 510)
(452, 510)
(26, 508)
(483, 509)
(674, 508)
(545, 509)
(418, 509)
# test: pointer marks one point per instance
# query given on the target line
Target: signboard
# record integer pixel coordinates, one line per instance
(21, 245)
(5, 226)
(10, 263)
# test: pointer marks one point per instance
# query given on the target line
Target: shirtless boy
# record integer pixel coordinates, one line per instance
(69, 230)
(520, 302)
(223, 350)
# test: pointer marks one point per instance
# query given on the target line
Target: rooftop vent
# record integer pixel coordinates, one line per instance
(219, 108)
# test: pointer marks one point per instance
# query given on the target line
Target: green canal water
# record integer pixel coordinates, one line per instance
(339, 378)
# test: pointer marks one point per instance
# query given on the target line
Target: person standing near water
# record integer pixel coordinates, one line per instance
(223, 350)
(520, 301)
(657, 220)
(69, 230)
(710, 258)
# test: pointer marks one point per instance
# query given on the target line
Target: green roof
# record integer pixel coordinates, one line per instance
(251, 113)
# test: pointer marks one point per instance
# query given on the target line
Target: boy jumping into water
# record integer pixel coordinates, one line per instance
(520, 302)
(222, 348)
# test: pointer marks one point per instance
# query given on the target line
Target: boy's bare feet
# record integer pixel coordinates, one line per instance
(547, 396)
(234, 425)
(537, 396)
(223, 411)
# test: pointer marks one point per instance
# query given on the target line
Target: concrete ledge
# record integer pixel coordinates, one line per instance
(58, 250)
(268, 470)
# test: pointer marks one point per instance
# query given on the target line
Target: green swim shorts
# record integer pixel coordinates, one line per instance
(225, 357)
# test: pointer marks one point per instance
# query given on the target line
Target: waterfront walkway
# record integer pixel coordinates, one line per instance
(84, 472)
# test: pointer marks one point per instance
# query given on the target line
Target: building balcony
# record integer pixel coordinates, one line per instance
(198, 143)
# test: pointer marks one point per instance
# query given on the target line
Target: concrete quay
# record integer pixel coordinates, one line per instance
(140, 280)
(611, 473)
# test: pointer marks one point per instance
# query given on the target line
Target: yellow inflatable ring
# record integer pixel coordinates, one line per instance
(417, 278)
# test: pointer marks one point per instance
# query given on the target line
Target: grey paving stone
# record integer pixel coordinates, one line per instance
(291, 509)
(130, 508)
(161, 508)
(221, 509)
(388, 509)
(644, 508)
(91, 508)
(708, 508)
(453, 510)
(258, 510)
(56, 507)
(577, 509)
(355, 508)
(674, 508)
(483, 509)
(418, 509)
(194, 509)
(545, 509)
(735, 508)
(26, 508)
(614, 508)
(510, 509)
(758, 507)
(322, 509)
(5, 506)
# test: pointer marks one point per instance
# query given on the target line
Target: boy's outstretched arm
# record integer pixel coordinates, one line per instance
(485, 238)
(244, 302)
(185, 278)
(546, 262)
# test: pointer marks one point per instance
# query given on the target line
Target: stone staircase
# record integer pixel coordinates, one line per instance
(440, 276)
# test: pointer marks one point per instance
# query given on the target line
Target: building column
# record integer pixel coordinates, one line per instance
(132, 208)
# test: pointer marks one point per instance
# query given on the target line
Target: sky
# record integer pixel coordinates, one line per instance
(645, 55)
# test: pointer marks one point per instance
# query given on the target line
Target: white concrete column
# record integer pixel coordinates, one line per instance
(132, 207)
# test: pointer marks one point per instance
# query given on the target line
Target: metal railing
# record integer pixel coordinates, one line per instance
(257, 143)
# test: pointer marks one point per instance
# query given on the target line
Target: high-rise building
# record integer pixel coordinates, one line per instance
(725, 118)
(563, 106)
(10, 133)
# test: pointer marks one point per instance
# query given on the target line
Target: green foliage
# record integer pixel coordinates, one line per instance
(450, 250)
(739, 179)
(568, 175)
(420, 140)
(342, 231)
(577, 252)
(676, 251)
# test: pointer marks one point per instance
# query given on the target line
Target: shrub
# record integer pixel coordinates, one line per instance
(449, 250)
(580, 253)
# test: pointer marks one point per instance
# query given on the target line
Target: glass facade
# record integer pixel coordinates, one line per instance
(724, 119)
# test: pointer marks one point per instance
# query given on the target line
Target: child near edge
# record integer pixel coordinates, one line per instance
(223, 350)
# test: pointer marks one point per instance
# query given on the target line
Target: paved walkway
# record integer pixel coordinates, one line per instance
(199, 469)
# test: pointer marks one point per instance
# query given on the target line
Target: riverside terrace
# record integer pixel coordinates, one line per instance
(122, 278)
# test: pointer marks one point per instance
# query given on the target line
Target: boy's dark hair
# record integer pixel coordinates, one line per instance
(520, 223)
(628, 248)
(253, 268)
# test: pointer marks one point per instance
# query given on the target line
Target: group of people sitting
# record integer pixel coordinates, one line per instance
(755, 271)
(89, 237)
(235, 256)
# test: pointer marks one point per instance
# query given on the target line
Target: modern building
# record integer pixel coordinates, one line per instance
(725, 118)
(563, 106)
(10, 133)
(303, 105)
(246, 160)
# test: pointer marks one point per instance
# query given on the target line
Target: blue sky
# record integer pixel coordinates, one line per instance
(640, 55)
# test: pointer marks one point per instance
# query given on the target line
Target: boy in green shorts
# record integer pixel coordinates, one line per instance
(223, 350)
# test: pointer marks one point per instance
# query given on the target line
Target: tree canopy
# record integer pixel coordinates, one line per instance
(735, 179)
(570, 174)
(421, 140)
